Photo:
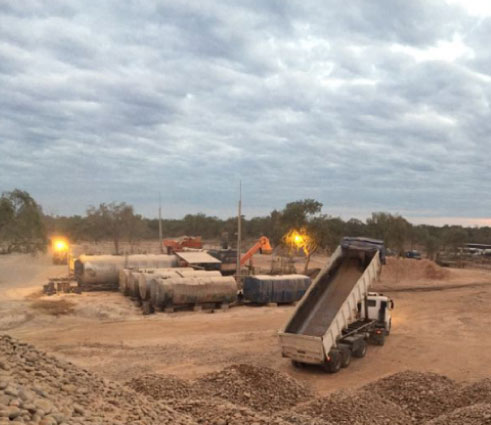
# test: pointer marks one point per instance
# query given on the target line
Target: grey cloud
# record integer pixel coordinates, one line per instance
(296, 99)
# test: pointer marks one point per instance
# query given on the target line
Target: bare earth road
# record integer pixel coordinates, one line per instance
(443, 328)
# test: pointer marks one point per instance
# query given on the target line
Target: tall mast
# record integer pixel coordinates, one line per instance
(160, 226)
(239, 233)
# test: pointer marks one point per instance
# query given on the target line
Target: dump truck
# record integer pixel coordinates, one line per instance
(338, 315)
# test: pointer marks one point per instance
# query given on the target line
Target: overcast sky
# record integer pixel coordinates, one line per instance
(362, 105)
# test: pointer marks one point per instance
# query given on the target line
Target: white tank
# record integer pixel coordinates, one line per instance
(193, 290)
(105, 268)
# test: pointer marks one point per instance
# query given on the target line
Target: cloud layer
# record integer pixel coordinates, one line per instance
(370, 106)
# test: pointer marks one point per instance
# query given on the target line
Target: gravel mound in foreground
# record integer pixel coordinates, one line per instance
(477, 414)
(260, 388)
(161, 387)
(421, 396)
(355, 408)
(36, 388)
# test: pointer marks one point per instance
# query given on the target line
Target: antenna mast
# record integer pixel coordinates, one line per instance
(239, 234)
(160, 226)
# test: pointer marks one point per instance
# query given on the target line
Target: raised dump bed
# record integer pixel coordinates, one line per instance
(337, 313)
(281, 289)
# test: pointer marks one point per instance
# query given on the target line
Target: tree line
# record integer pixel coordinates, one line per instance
(24, 227)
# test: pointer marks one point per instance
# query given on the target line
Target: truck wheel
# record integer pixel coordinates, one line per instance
(334, 363)
(361, 349)
(297, 365)
(345, 357)
(379, 339)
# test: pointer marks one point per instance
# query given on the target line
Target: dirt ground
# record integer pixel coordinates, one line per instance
(439, 325)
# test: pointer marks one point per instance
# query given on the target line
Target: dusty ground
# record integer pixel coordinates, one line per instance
(439, 325)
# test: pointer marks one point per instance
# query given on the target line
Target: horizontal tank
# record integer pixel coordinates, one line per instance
(189, 272)
(124, 275)
(145, 278)
(93, 269)
(193, 290)
(263, 289)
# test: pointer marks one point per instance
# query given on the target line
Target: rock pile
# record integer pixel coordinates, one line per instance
(161, 387)
(39, 389)
(216, 411)
(477, 414)
(355, 408)
(260, 388)
(478, 392)
(421, 396)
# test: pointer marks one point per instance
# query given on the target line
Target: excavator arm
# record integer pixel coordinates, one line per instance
(262, 245)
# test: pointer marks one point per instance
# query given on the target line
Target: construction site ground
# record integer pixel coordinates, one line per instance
(440, 324)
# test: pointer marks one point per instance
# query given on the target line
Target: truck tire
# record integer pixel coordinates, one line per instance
(297, 365)
(345, 356)
(361, 348)
(379, 339)
(334, 363)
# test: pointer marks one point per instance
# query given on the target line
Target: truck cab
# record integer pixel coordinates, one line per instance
(379, 307)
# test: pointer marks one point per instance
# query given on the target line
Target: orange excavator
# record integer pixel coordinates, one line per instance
(262, 245)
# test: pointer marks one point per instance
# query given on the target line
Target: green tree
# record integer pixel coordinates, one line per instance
(21, 222)
(297, 214)
(116, 221)
(394, 230)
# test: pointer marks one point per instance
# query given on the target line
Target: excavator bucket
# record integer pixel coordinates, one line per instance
(266, 246)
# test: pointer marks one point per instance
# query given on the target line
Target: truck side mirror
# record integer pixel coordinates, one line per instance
(391, 304)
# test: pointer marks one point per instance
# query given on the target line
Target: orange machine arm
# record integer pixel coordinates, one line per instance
(262, 244)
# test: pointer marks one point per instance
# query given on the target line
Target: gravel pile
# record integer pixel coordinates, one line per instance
(295, 418)
(161, 387)
(259, 388)
(477, 414)
(478, 392)
(422, 396)
(355, 408)
(216, 411)
(39, 389)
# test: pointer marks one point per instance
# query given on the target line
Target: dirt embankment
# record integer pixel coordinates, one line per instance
(402, 270)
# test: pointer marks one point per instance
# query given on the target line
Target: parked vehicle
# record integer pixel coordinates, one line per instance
(413, 254)
(338, 315)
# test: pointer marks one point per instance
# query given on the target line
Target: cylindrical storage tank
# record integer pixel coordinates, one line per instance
(92, 269)
(201, 290)
(123, 281)
(145, 280)
(194, 290)
(263, 289)
(133, 288)
(160, 292)
(199, 273)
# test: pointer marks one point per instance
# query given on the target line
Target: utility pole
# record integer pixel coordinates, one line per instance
(160, 226)
(239, 235)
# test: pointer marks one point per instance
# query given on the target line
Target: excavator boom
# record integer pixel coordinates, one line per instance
(262, 245)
